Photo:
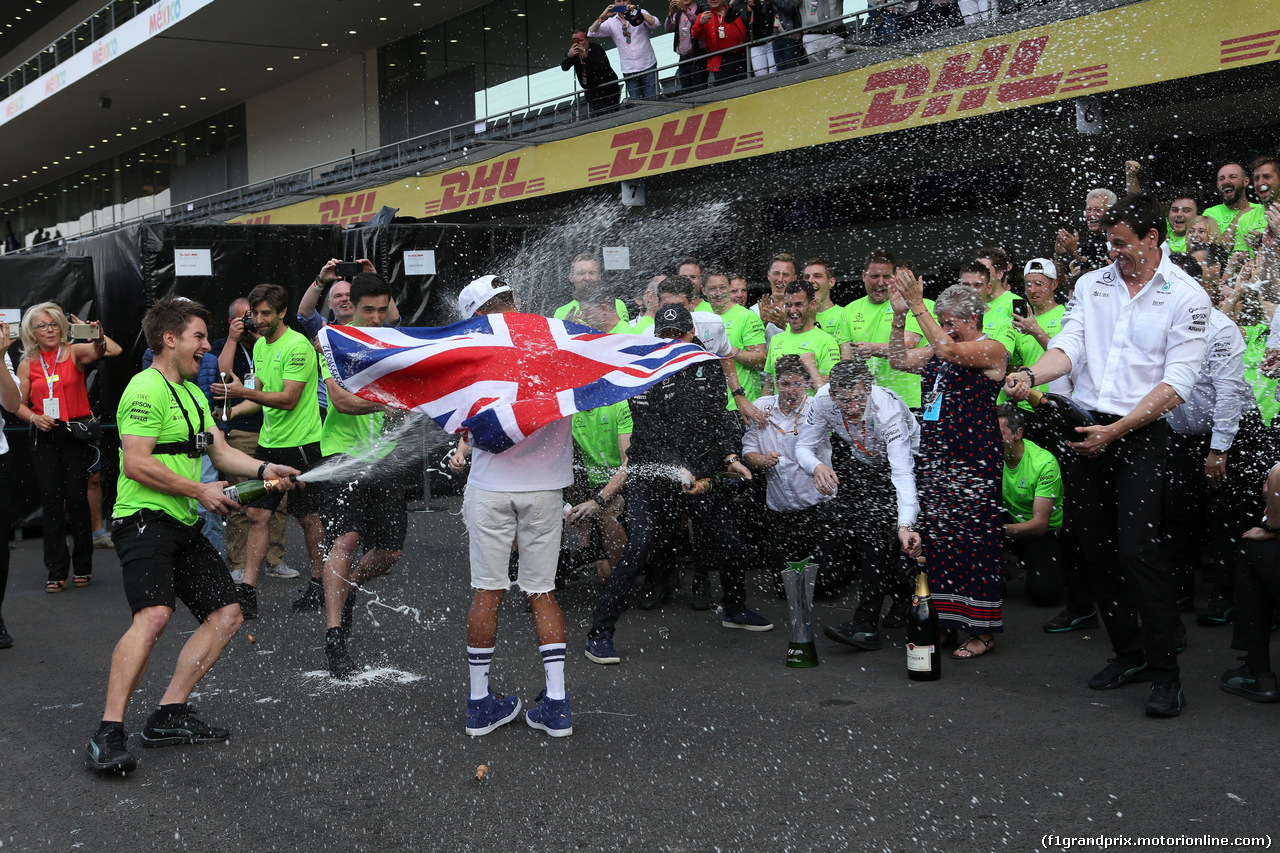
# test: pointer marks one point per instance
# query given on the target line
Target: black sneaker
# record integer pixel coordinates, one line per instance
(348, 615)
(1186, 605)
(335, 650)
(701, 589)
(5, 640)
(107, 752)
(897, 615)
(1166, 700)
(860, 635)
(170, 729)
(248, 596)
(1216, 611)
(1117, 674)
(1068, 621)
(1180, 639)
(1259, 688)
(654, 595)
(312, 598)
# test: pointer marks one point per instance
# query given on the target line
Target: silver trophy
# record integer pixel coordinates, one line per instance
(798, 578)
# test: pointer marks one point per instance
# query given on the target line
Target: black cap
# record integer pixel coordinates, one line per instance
(673, 318)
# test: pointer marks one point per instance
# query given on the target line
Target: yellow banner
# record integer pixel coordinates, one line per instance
(1117, 49)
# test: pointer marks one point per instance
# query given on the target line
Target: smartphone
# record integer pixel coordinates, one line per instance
(85, 332)
(348, 270)
(619, 9)
(1021, 308)
(12, 316)
(15, 331)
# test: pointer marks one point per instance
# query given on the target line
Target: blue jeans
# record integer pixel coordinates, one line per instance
(643, 86)
(212, 521)
(788, 53)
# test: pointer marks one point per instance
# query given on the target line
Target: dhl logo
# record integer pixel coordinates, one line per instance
(697, 136)
(265, 219)
(964, 83)
(348, 210)
(1247, 47)
(497, 180)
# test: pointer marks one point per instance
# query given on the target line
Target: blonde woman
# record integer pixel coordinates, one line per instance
(1203, 231)
(51, 382)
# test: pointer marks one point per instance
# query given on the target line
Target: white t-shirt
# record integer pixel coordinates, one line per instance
(635, 54)
(541, 462)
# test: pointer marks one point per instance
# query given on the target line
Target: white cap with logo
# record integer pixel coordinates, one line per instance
(1044, 266)
(478, 292)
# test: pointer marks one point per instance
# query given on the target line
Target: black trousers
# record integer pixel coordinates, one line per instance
(62, 469)
(1114, 501)
(1048, 563)
(692, 74)
(811, 533)
(1257, 598)
(653, 505)
(6, 522)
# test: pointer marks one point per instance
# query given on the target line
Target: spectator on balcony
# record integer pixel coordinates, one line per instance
(823, 16)
(720, 28)
(595, 75)
(761, 19)
(692, 73)
(787, 51)
(629, 27)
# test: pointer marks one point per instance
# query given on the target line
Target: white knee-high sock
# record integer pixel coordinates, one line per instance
(553, 664)
(478, 661)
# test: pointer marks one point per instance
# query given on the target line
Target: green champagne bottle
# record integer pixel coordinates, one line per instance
(250, 490)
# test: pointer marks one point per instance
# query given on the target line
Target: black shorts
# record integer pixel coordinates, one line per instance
(303, 501)
(373, 507)
(163, 560)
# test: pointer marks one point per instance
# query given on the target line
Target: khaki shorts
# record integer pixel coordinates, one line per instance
(532, 520)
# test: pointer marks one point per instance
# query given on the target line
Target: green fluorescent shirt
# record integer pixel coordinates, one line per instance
(618, 304)
(290, 358)
(1253, 221)
(1051, 320)
(354, 435)
(1176, 243)
(744, 330)
(705, 307)
(642, 324)
(148, 409)
(865, 321)
(596, 434)
(1024, 350)
(816, 341)
(829, 320)
(1264, 389)
(1037, 476)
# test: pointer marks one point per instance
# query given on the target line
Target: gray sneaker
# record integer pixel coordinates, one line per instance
(280, 571)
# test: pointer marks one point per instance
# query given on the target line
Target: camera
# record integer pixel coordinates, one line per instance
(249, 325)
(201, 443)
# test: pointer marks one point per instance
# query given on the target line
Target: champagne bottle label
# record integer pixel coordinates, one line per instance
(918, 657)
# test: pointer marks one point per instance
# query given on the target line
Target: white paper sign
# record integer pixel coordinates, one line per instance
(617, 258)
(420, 263)
(192, 262)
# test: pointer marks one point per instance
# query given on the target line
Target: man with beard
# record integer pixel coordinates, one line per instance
(802, 337)
(1240, 219)
(864, 329)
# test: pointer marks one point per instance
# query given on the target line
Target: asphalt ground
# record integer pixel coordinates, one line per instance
(701, 740)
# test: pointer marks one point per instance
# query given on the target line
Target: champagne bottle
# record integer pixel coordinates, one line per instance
(1060, 414)
(250, 490)
(924, 659)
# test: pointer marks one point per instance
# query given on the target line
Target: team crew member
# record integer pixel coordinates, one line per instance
(864, 329)
(515, 497)
(165, 428)
(678, 424)
(880, 493)
(1040, 279)
(744, 330)
(367, 512)
(802, 337)
(584, 274)
(1136, 333)
(288, 375)
(827, 314)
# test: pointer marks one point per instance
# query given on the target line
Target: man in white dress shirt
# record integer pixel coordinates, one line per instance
(1137, 331)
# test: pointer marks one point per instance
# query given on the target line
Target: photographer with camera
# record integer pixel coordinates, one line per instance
(287, 374)
(629, 27)
(166, 429)
(595, 75)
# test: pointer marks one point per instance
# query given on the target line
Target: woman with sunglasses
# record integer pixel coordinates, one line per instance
(51, 378)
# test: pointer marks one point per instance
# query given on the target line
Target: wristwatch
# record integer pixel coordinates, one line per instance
(599, 498)
(739, 392)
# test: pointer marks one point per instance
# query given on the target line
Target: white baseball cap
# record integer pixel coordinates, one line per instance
(1044, 266)
(479, 292)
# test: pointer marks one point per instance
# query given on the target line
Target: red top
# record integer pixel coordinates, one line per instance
(68, 385)
(735, 33)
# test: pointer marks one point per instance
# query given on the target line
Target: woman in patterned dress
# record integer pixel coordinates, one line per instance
(960, 455)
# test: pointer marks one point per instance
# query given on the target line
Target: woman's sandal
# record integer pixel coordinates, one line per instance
(966, 653)
(82, 580)
(55, 586)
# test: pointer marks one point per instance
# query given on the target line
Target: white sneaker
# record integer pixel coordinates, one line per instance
(237, 575)
(280, 571)
(103, 540)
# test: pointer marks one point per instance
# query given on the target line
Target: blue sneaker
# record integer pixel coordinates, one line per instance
(600, 649)
(741, 617)
(552, 716)
(485, 715)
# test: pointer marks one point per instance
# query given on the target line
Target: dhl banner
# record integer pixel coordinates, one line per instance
(1117, 49)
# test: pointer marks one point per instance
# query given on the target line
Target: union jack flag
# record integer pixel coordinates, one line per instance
(498, 377)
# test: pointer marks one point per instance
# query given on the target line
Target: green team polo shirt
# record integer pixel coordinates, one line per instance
(354, 435)
(642, 324)
(1176, 243)
(147, 409)
(290, 358)
(596, 434)
(618, 304)
(816, 341)
(1024, 350)
(829, 320)
(1037, 476)
(1264, 389)
(744, 329)
(705, 307)
(1253, 221)
(1051, 320)
(867, 322)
